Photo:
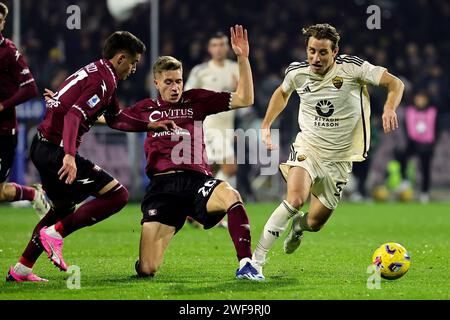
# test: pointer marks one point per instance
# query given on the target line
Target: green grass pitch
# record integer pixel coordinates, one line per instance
(200, 264)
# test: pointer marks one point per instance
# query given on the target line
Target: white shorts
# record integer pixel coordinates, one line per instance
(220, 146)
(328, 177)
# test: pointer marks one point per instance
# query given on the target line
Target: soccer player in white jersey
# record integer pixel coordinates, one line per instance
(334, 132)
(218, 74)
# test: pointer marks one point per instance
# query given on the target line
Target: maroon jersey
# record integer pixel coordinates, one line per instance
(184, 148)
(80, 100)
(16, 84)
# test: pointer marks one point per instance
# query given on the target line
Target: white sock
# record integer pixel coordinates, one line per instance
(22, 270)
(273, 229)
(51, 231)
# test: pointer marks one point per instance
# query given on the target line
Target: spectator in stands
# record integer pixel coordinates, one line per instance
(420, 122)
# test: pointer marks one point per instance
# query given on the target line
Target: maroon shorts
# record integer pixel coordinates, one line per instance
(170, 198)
(90, 179)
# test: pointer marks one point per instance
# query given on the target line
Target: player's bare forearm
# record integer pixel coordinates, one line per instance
(277, 103)
(244, 95)
(395, 89)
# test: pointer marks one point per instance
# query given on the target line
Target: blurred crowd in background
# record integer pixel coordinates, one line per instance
(412, 43)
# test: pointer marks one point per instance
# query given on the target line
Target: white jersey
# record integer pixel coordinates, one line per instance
(334, 116)
(210, 76)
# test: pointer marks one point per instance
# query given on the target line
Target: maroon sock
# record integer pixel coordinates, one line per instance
(94, 211)
(34, 249)
(239, 229)
(23, 193)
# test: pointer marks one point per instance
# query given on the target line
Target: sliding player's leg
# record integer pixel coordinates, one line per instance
(223, 199)
(155, 238)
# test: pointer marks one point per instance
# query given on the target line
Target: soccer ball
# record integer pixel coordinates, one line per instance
(406, 195)
(380, 194)
(392, 260)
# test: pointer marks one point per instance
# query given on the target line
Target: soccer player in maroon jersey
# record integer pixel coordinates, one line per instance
(181, 179)
(67, 177)
(16, 86)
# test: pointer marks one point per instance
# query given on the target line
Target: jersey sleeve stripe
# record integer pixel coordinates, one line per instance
(340, 61)
(26, 82)
(81, 110)
(350, 59)
(295, 66)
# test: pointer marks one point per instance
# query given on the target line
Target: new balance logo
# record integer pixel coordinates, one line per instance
(85, 181)
(274, 233)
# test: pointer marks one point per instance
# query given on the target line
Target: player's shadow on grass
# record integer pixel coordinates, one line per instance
(190, 286)
(164, 278)
(233, 285)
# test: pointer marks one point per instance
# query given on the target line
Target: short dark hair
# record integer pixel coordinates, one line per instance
(3, 9)
(166, 63)
(122, 41)
(322, 31)
(218, 35)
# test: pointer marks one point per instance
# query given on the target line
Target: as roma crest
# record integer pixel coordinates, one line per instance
(337, 82)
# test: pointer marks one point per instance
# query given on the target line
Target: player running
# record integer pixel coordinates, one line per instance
(67, 177)
(181, 180)
(334, 132)
(16, 86)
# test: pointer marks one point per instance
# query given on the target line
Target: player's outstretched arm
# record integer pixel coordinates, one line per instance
(395, 89)
(244, 95)
(131, 119)
(277, 103)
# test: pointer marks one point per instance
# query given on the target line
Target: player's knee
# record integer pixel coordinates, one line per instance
(147, 269)
(119, 196)
(231, 196)
(295, 202)
(123, 196)
(2, 193)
